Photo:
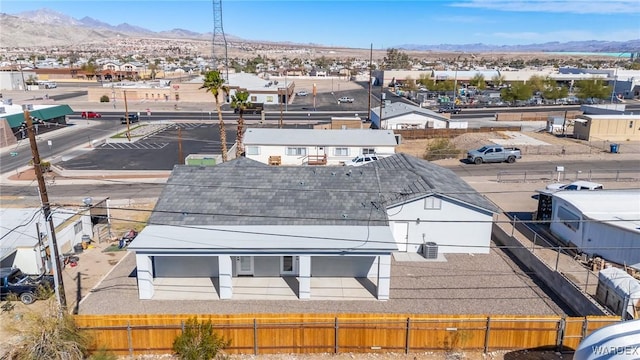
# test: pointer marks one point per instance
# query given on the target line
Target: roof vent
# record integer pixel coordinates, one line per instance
(301, 183)
(344, 216)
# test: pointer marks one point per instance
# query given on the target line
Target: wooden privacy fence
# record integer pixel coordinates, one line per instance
(356, 333)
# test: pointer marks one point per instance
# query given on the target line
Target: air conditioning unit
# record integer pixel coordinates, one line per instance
(27, 107)
(430, 250)
(2, 110)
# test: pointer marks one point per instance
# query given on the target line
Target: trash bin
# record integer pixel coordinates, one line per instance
(614, 148)
(77, 248)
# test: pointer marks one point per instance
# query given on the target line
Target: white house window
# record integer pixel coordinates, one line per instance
(253, 99)
(296, 151)
(77, 227)
(432, 203)
(568, 219)
(253, 150)
(341, 152)
(368, 151)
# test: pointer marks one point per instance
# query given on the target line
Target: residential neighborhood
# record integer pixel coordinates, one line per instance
(306, 199)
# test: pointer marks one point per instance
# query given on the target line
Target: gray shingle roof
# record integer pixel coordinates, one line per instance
(247, 192)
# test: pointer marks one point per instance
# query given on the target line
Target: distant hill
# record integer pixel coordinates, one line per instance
(571, 46)
(25, 29)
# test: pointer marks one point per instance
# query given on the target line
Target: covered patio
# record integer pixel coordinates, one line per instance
(265, 288)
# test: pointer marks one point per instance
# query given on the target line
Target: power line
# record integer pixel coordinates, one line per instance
(202, 227)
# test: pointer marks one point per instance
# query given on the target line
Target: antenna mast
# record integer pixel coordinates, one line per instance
(220, 39)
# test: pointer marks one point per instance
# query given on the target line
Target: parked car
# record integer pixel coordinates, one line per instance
(345, 99)
(24, 287)
(133, 118)
(362, 160)
(302, 93)
(90, 115)
(449, 109)
(494, 153)
(576, 185)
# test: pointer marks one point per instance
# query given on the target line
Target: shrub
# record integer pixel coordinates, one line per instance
(50, 334)
(198, 341)
(440, 149)
(104, 98)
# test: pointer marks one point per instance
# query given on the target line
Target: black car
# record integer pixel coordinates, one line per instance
(132, 119)
(449, 109)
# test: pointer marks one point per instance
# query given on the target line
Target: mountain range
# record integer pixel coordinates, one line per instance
(25, 30)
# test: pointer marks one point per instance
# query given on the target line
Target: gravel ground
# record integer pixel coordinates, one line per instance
(465, 284)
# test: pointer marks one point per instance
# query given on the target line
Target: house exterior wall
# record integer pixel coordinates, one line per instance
(342, 266)
(264, 151)
(28, 260)
(185, 266)
(71, 235)
(613, 129)
(14, 80)
(415, 121)
(469, 233)
(266, 266)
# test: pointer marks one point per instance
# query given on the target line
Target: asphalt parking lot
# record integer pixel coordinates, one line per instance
(158, 151)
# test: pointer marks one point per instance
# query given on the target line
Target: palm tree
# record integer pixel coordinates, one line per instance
(240, 101)
(214, 83)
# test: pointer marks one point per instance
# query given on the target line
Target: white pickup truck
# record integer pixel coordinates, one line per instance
(493, 153)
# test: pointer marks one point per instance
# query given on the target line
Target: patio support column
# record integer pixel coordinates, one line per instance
(384, 276)
(145, 276)
(304, 277)
(225, 276)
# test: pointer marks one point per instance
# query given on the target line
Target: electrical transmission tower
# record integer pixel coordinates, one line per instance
(219, 40)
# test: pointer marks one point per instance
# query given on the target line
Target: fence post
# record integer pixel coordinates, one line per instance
(513, 226)
(533, 245)
(562, 324)
(558, 257)
(129, 340)
(585, 327)
(407, 336)
(335, 336)
(586, 285)
(487, 331)
(255, 336)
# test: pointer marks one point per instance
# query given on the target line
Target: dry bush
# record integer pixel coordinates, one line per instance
(440, 149)
(49, 334)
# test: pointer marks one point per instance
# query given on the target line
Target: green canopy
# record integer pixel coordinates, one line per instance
(45, 114)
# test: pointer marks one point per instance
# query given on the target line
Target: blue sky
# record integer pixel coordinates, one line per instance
(358, 23)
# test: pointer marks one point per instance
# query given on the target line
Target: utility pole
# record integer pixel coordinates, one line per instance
(281, 122)
(41, 247)
(126, 115)
(180, 157)
(46, 210)
(370, 71)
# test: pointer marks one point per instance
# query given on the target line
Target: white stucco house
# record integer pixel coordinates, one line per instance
(400, 116)
(20, 246)
(315, 147)
(245, 219)
(603, 222)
